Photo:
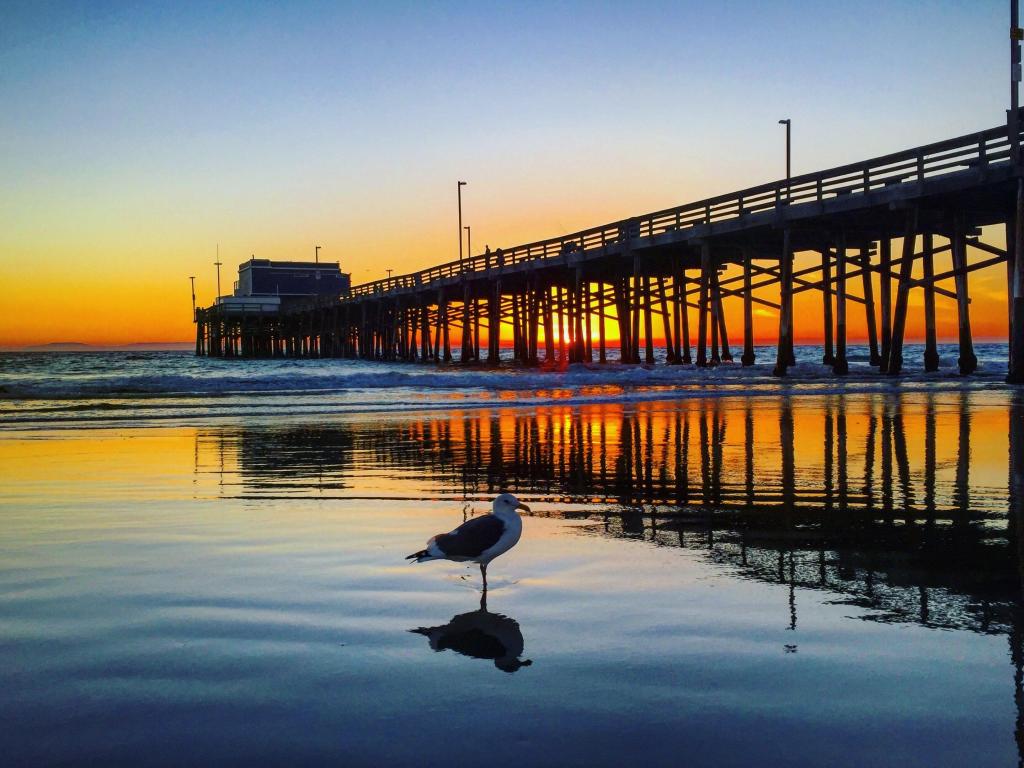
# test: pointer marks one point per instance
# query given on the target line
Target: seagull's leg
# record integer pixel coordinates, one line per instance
(483, 572)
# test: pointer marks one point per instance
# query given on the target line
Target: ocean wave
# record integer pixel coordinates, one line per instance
(133, 414)
(141, 386)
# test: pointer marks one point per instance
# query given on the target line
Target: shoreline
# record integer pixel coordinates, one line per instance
(14, 424)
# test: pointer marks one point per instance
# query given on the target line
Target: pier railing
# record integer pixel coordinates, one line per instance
(913, 166)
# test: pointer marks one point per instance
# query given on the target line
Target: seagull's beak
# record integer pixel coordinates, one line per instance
(523, 507)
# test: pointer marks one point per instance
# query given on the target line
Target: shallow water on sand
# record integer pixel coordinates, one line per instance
(805, 580)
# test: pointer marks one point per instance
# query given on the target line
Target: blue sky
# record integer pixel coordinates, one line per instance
(142, 133)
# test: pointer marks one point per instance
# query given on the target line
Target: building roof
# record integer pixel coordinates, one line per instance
(289, 264)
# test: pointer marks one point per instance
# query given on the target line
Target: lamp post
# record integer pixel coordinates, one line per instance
(316, 254)
(389, 271)
(469, 241)
(788, 123)
(192, 279)
(1016, 34)
(460, 186)
(217, 265)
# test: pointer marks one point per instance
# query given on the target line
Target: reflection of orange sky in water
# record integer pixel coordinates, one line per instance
(130, 300)
(603, 424)
(413, 455)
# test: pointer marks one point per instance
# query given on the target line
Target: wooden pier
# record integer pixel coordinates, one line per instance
(638, 281)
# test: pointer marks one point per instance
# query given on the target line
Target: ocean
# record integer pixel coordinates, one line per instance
(94, 389)
(202, 562)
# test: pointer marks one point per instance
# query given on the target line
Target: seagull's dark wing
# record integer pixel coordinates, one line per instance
(472, 537)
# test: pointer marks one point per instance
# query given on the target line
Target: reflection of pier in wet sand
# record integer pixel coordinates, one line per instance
(874, 496)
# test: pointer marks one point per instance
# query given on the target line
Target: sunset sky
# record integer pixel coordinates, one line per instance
(135, 137)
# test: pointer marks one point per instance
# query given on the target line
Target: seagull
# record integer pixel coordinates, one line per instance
(479, 539)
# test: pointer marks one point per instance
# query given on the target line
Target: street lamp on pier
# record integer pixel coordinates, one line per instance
(460, 186)
(217, 264)
(788, 123)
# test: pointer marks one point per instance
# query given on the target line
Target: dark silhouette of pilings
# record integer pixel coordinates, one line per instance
(551, 317)
(540, 303)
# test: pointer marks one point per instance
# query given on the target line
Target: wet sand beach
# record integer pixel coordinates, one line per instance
(797, 579)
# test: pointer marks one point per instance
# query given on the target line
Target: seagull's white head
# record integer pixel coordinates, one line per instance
(507, 504)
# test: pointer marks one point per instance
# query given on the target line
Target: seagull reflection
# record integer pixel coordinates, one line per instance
(482, 635)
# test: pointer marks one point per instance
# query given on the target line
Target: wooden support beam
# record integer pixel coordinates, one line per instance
(621, 288)
(476, 329)
(899, 320)
(828, 356)
(602, 356)
(702, 305)
(494, 324)
(739, 292)
(885, 297)
(425, 348)
(786, 306)
(561, 293)
(968, 268)
(549, 327)
(634, 341)
(989, 248)
(412, 314)
(466, 330)
(723, 332)
(522, 353)
(1015, 374)
(534, 321)
(931, 351)
(968, 361)
(524, 319)
(524, 325)
(713, 311)
(852, 273)
(1011, 252)
(579, 316)
(840, 366)
(869, 305)
(677, 319)
(670, 350)
(525, 315)
(748, 357)
(648, 322)
(588, 331)
(684, 316)
(514, 320)
(800, 285)
(445, 327)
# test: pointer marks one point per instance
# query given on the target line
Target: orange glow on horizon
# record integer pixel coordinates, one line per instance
(127, 305)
